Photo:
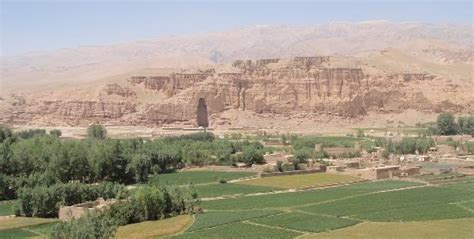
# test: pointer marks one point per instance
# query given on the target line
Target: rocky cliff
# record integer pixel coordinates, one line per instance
(301, 85)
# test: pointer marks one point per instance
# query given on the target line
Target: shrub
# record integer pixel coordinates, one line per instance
(93, 226)
(55, 132)
(446, 124)
(5, 132)
(222, 180)
(96, 131)
(279, 166)
(466, 125)
(27, 134)
(251, 155)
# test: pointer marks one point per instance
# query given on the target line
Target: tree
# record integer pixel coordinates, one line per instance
(446, 124)
(466, 125)
(55, 132)
(140, 166)
(251, 155)
(5, 133)
(96, 131)
(94, 226)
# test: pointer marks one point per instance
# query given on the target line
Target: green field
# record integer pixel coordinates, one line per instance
(22, 227)
(283, 200)
(302, 180)
(329, 141)
(399, 203)
(439, 229)
(6, 208)
(221, 189)
(319, 212)
(305, 222)
(240, 230)
(217, 218)
(196, 177)
(153, 229)
(468, 204)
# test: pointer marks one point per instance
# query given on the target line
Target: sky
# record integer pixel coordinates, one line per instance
(31, 26)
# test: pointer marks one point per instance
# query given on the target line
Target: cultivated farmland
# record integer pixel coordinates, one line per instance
(216, 218)
(241, 230)
(319, 212)
(6, 208)
(197, 177)
(303, 180)
(439, 229)
(305, 222)
(283, 200)
(152, 229)
(222, 189)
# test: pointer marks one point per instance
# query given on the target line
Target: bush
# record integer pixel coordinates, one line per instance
(96, 131)
(279, 166)
(93, 226)
(5, 132)
(28, 134)
(466, 125)
(252, 155)
(55, 132)
(222, 180)
(446, 124)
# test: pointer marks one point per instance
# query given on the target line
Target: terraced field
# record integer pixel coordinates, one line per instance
(329, 212)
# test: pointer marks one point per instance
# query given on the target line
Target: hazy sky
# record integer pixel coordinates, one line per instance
(45, 25)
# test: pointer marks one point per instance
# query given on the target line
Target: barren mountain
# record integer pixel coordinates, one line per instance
(334, 70)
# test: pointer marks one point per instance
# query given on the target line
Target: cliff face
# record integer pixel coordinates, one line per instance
(301, 85)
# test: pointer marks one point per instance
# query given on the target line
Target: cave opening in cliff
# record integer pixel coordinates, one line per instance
(202, 116)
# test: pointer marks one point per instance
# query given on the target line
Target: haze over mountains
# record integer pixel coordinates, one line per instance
(440, 43)
(405, 66)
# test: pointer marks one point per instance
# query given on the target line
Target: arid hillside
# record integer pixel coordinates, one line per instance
(259, 76)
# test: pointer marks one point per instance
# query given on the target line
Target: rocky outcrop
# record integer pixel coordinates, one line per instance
(284, 87)
(116, 89)
(169, 84)
(86, 109)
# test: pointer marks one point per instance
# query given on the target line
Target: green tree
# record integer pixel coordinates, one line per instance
(93, 226)
(466, 125)
(446, 124)
(5, 132)
(96, 131)
(55, 132)
(251, 155)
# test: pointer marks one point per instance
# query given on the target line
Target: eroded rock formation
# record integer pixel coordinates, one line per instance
(285, 87)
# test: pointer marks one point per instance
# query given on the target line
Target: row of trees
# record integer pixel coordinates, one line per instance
(45, 200)
(98, 159)
(447, 124)
(408, 145)
(147, 203)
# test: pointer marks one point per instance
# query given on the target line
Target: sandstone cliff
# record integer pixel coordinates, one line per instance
(302, 85)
